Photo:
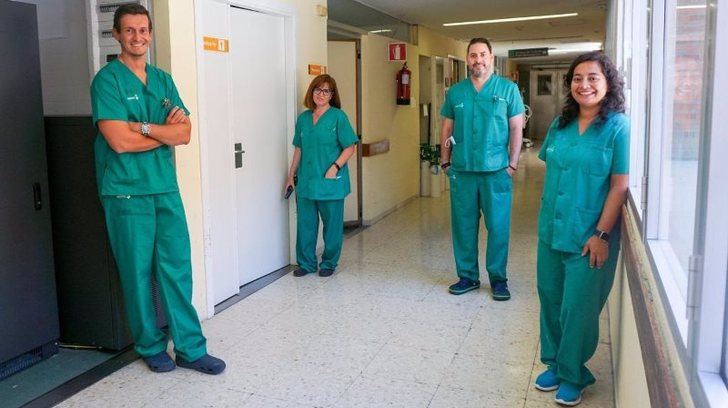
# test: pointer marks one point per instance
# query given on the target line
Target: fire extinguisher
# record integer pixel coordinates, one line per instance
(404, 76)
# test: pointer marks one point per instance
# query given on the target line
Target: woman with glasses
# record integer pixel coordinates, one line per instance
(587, 160)
(324, 142)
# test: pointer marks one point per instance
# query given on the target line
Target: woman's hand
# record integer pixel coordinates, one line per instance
(289, 183)
(598, 250)
(332, 172)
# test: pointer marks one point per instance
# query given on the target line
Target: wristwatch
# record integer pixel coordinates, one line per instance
(146, 129)
(601, 235)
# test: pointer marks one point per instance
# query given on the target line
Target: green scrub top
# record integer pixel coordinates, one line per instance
(118, 94)
(321, 144)
(578, 177)
(481, 130)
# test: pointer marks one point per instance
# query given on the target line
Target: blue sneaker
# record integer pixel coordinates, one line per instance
(547, 381)
(568, 395)
(500, 291)
(464, 285)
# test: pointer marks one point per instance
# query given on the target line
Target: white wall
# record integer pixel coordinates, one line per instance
(63, 56)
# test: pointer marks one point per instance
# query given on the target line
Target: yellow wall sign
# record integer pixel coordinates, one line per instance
(216, 44)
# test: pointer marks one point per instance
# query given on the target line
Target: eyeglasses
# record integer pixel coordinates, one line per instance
(324, 92)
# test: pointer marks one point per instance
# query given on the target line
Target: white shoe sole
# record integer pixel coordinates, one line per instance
(551, 388)
(568, 403)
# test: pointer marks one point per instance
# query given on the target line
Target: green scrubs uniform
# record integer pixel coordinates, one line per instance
(572, 294)
(479, 181)
(321, 144)
(144, 213)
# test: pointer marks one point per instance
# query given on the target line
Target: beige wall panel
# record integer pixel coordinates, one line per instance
(391, 178)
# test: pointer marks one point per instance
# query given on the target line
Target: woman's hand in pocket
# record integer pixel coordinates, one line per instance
(332, 172)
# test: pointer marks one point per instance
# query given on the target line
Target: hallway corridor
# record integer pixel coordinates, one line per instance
(383, 331)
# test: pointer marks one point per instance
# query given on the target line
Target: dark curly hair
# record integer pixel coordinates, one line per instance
(613, 100)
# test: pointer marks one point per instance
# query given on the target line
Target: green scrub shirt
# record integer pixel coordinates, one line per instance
(578, 170)
(118, 94)
(321, 144)
(481, 130)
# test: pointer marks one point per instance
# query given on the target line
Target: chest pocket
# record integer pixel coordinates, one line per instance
(596, 160)
(495, 107)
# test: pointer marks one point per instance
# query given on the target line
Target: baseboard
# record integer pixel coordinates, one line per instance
(369, 222)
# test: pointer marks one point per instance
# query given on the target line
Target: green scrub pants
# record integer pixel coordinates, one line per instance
(148, 235)
(470, 194)
(332, 216)
(572, 296)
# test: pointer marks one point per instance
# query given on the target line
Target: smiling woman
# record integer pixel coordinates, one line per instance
(587, 161)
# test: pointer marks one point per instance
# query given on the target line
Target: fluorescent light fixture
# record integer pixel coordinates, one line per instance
(697, 6)
(380, 31)
(586, 47)
(513, 19)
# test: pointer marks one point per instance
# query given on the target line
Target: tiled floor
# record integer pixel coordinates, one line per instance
(383, 331)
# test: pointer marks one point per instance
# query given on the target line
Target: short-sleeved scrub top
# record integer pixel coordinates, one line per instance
(578, 177)
(321, 144)
(118, 94)
(481, 130)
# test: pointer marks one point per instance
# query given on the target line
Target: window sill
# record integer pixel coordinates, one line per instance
(668, 268)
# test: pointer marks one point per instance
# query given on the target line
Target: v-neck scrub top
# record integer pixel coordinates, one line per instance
(118, 94)
(321, 144)
(480, 128)
(578, 177)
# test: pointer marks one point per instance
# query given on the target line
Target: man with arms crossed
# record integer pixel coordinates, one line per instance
(140, 115)
(481, 136)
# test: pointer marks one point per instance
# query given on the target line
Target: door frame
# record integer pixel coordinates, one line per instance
(272, 7)
(357, 128)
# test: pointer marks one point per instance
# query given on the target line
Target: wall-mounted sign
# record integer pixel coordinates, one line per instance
(398, 51)
(528, 52)
(216, 44)
(314, 69)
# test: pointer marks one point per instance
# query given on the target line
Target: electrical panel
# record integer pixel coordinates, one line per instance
(102, 45)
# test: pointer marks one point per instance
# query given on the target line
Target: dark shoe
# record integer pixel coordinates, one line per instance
(547, 381)
(500, 291)
(464, 285)
(206, 364)
(160, 362)
(300, 272)
(325, 273)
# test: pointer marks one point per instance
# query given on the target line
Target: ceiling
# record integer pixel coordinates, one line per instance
(583, 32)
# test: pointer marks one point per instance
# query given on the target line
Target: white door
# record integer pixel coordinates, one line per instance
(260, 133)
(244, 101)
(342, 67)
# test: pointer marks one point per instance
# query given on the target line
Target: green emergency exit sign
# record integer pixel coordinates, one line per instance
(528, 52)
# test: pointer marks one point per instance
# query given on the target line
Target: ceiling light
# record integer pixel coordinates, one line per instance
(380, 31)
(513, 19)
(585, 47)
(697, 6)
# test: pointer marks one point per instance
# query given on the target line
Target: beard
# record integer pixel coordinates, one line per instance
(478, 70)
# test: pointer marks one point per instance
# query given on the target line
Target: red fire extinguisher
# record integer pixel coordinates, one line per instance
(404, 76)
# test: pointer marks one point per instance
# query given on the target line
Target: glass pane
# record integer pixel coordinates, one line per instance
(684, 83)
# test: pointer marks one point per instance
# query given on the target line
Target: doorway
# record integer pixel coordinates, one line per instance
(546, 96)
(246, 117)
(344, 67)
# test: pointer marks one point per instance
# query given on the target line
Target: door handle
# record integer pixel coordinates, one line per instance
(239, 155)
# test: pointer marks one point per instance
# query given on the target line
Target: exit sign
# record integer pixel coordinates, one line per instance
(528, 52)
